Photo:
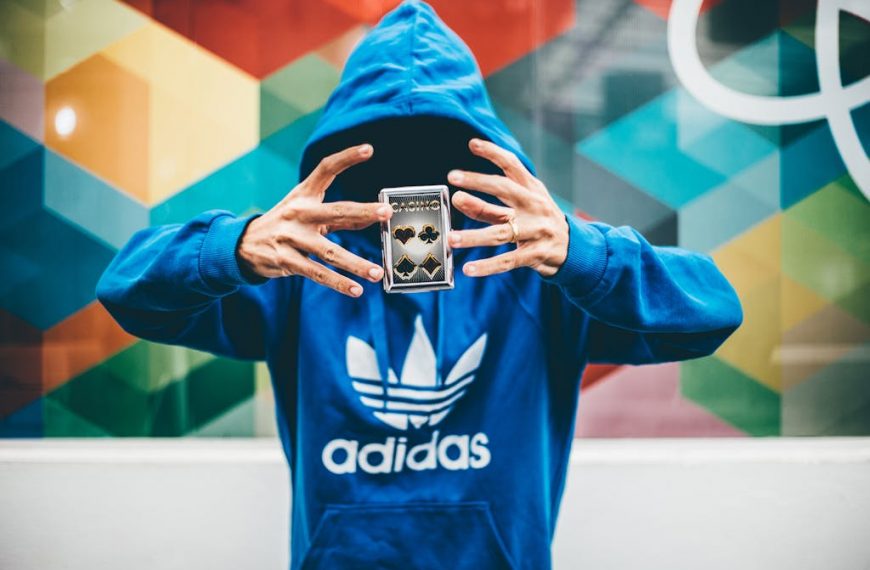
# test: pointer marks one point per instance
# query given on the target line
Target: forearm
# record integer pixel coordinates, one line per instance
(181, 284)
(668, 302)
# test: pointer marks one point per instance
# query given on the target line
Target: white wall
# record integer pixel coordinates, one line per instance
(646, 504)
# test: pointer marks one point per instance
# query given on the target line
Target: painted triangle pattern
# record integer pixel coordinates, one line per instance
(115, 115)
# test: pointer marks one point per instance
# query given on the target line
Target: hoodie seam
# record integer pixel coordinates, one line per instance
(199, 272)
(603, 285)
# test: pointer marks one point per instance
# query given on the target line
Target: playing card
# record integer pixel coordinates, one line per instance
(414, 240)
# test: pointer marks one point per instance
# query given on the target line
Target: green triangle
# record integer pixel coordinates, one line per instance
(149, 366)
(305, 84)
(204, 395)
(847, 184)
(61, 422)
(817, 262)
(835, 212)
(857, 302)
(731, 395)
(275, 113)
(295, 90)
(235, 422)
(106, 401)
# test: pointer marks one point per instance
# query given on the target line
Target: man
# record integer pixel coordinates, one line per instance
(429, 430)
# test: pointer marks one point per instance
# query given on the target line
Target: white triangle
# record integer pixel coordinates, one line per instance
(361, 360)
(469, 361)
(418, 420)
(419, 367)
(398, 421)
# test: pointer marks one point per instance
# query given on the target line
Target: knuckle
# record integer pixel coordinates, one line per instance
(328, 164)
(329, 254)
(506, 214)
(536, 255)
(338, 211)
(503, 233)
(291, 211)
(338, 283)
(286, 265)
(547, 231)
(538, 202)
(318, 275)
(506, 263)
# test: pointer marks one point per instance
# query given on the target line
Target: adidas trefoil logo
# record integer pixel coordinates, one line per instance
(419, 397)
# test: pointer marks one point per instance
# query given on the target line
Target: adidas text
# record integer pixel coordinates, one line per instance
(453, 452)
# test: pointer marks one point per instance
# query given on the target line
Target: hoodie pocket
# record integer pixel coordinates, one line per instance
(419, 536)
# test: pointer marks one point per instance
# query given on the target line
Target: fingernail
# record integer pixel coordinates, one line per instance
(375, 273)
(474, 144)
(469, 269)
(365, 150)
(455, 238)
(454, 176)
(356, 290)
(383, 211)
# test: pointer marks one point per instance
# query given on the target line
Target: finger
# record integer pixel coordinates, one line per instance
(329, 278)
(491, 235)
(502, 188)
(504, 159)
(481, 210)
(346, 215)
(333, 165)
(334, 254)
(493, 265)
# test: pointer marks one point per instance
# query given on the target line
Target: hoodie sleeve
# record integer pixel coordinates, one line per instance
(647, 304)
(181, 284)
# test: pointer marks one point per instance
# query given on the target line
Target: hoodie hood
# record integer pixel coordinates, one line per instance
(412, 89)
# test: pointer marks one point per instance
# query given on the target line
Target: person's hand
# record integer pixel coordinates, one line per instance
(530, 217)
(277, 243)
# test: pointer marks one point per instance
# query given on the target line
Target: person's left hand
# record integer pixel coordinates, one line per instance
(530, 217)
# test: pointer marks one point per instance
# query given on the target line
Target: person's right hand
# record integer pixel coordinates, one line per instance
(277, 243)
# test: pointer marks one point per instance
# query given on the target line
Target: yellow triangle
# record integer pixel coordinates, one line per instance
(752, 259)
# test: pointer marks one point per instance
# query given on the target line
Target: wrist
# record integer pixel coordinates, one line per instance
(245, 251)
(586, 257)
(557, 249)
(219, 262)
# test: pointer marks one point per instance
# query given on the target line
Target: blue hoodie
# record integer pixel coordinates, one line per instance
(429, 430)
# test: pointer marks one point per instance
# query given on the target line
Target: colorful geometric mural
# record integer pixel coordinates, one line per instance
(117, 115)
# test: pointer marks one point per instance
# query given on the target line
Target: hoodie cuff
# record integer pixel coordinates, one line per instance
(586, 260)
(218, 262)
